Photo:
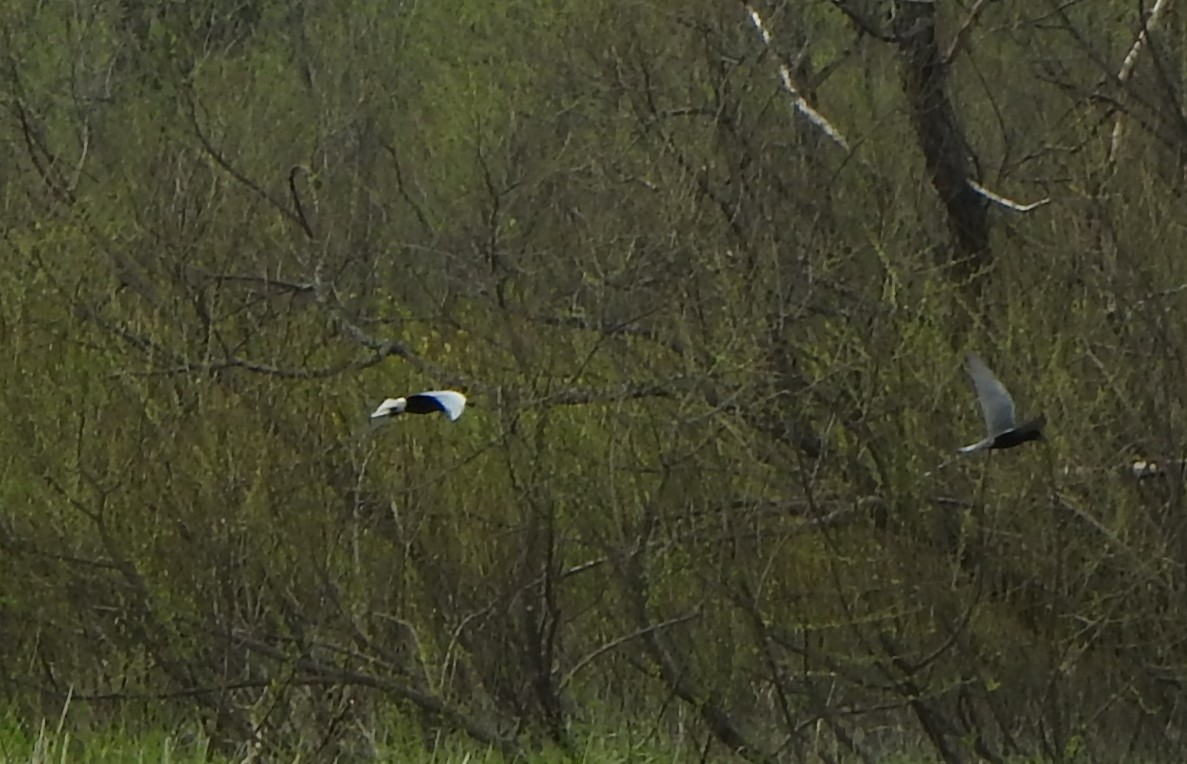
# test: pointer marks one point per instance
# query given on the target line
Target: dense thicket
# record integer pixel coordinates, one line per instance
(713, 354)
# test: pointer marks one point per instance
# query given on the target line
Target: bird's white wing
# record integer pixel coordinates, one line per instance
(453, 402)
(997, 407)
(386, 408)
(978, 446)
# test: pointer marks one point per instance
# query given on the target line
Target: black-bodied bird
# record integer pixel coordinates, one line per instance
(448, 402)
(998, 409)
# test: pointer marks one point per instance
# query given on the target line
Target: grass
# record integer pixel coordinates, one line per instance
(68, 738)
(48, 743)
(52, 740)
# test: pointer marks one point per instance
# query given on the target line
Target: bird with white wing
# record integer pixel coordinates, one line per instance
(448, 402)
(997, 408)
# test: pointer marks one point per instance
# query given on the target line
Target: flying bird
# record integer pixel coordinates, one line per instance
(448, 402)
(998, 409)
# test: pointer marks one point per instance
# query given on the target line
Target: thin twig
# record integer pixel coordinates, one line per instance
(962, 35)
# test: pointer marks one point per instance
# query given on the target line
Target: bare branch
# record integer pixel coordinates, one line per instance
(304, 221)
(237, 174)
(417, 210)
(1003, 201)
(862, 22)
(612, 329)
(619, 641)
(962, 35)
(630, 391)
(1151, 22)
(264, 281)
(44, 160)
(801, 104)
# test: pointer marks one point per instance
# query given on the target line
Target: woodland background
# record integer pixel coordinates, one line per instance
(705, 491)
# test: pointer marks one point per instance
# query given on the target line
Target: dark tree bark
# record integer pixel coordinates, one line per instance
(950, 162)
